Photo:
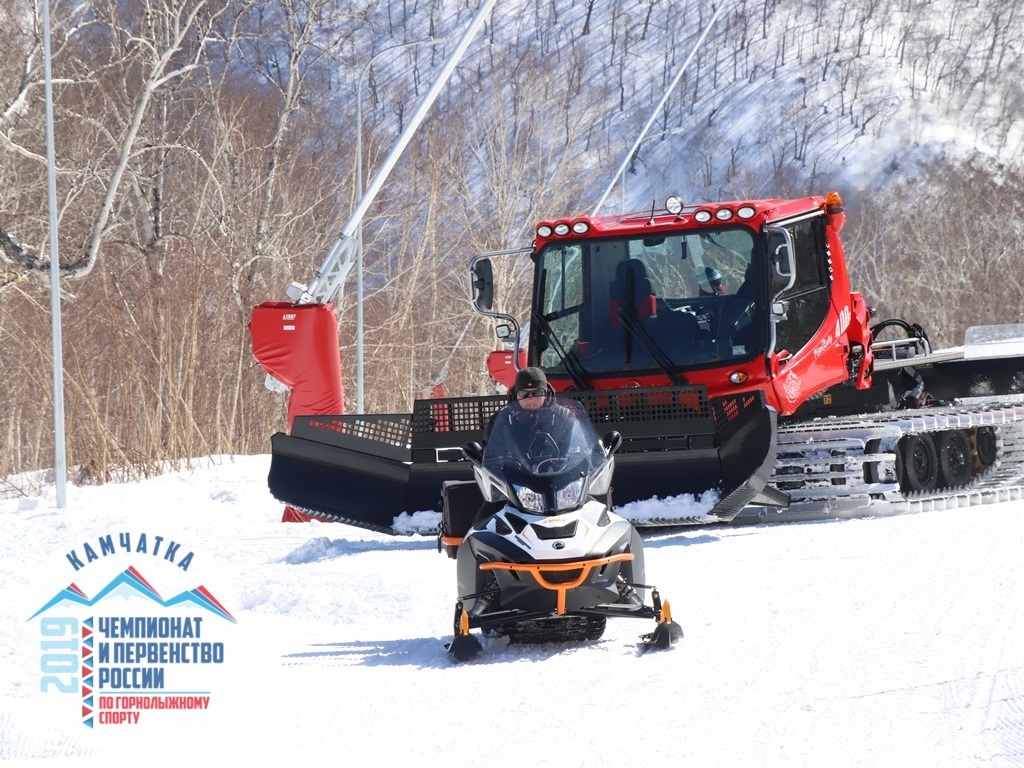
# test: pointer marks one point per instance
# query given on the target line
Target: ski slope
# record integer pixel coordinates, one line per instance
(876, 642)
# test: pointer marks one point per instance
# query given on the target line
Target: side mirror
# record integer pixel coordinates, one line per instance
(474, 452)
(611, 442)
(482, 284)
(503, 331)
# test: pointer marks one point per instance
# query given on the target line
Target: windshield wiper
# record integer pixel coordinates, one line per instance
(664, 361)
(573, 366)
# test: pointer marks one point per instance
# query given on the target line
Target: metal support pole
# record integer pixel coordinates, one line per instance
(60, 471)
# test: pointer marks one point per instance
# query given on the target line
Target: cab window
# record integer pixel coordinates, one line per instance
(808, 299)
(561, 289)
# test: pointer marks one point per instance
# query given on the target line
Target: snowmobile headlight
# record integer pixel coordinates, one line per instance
(529, 498)
(568, 496)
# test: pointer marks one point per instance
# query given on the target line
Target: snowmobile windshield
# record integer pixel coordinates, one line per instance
(671, 303)
(549, 455)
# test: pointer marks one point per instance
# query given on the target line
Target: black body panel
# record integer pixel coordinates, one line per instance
(367, 470)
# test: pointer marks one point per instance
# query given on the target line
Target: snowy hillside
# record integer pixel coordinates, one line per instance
(782, 93)
(887, 642)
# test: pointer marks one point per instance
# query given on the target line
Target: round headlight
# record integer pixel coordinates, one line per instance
(702, 217)
(581, 227)
(561, 229)
(674, 205)
(746, 212)
(723, 214)
(543, 231)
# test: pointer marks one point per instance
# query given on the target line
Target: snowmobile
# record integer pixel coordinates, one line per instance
(554, 562)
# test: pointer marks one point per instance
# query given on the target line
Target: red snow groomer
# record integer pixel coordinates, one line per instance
(726, 345)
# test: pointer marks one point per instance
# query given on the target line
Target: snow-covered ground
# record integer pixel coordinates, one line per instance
(876, 642)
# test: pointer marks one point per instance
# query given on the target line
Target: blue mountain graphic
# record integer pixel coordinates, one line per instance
(134, 581)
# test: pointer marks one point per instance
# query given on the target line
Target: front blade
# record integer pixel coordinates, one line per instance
(367, 470)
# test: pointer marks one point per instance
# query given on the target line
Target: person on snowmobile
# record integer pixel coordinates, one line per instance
(530, 393)
(533, 412)
(531, 388)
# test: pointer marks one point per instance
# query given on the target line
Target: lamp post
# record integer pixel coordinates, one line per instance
(359, 197)
(60, 473)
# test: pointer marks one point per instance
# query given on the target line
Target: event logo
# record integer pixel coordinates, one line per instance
(127, 650)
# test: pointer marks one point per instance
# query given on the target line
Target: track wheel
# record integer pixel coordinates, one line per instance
(920, 463)
(955, 458)
(985, 445)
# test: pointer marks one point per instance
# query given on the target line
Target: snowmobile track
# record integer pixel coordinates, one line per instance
(847, 467)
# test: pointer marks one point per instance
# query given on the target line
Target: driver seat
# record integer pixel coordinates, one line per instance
(632, 291)
(734, 306)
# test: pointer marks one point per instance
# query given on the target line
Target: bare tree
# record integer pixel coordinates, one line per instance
(150, 46)
(948, 260)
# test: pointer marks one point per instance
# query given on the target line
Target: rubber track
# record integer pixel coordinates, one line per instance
(567, 629)
(846, 467)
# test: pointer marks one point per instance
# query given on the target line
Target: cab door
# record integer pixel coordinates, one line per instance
(806, 358)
